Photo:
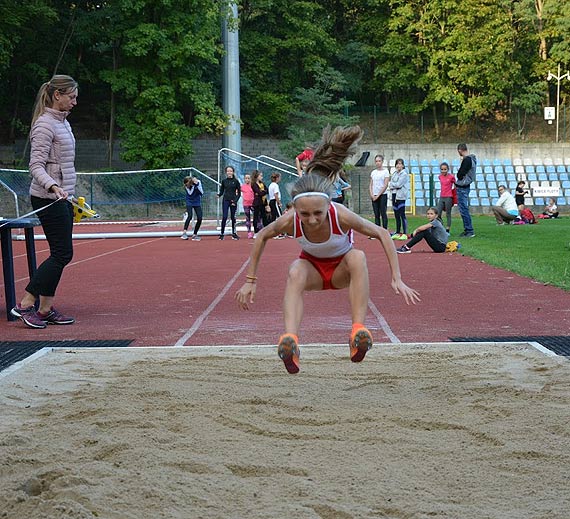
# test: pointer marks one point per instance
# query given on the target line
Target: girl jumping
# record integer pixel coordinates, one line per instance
(328, 259)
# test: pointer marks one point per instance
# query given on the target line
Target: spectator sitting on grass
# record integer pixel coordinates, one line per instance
(506, 209)
(432, 232)
(551, 209)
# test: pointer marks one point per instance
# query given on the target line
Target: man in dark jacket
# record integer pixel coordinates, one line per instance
(465, 176)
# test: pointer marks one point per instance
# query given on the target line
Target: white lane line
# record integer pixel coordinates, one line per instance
(180, 342)
(24, 255)
(383, 323)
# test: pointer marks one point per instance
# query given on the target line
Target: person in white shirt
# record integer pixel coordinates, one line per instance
(506, 209)
(379, 179)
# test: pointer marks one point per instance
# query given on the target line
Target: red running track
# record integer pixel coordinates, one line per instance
(166, 292)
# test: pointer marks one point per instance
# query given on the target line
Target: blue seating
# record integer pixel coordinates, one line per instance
(420, 202)
(492, 185)
(488, 169)
(474, 202)
(566, 184)
(542, 177)
(413, 163)
(499, 169)
(455, 163)
(560, 169)
(511, 177)
(563, 176)
(479, 178)
(478, 170)
(508, 162)
(531, 177)
(552, 176)
(509, 169)
(561, 200)
(540, 169)
(424, 163)
(483, 193)
(528, 169)
(493, 193)
(486, 162)
(472, 194)
(501, 178)
(539, 201)
(485, 202)
(551, 169)
(415, 170)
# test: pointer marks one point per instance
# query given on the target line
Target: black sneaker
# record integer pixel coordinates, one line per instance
(221, 237)
(404, 250)
(235, 236)
(470, 235)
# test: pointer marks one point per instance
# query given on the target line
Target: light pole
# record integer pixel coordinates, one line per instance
(558, 79)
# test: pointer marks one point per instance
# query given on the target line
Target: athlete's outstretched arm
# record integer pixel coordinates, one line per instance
(349, 220)
(246, 294)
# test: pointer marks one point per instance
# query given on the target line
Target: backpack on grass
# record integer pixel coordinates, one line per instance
(528, 216)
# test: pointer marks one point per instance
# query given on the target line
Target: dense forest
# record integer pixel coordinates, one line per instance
(150, 70)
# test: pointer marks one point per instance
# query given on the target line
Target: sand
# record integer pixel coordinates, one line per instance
(418, 431)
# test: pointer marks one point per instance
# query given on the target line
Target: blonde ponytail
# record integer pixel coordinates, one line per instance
(335, 148)
(61, 83)
(328, 161)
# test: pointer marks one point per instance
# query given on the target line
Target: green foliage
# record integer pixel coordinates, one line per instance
(317, 107)
(302, 63)
(154, 132)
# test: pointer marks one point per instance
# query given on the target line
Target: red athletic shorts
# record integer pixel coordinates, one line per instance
(325, 267)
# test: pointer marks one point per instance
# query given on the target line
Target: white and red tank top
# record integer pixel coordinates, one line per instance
(338, 244)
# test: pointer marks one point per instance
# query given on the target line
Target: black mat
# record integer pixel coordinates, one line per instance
(559, 344)
(15, 351)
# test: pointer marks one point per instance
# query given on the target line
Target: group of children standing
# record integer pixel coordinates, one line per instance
(398, 184)
(262, 205)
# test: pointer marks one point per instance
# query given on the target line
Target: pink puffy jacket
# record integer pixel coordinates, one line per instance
(52, 156)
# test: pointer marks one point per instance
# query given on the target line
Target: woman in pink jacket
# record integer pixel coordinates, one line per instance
(52, 167)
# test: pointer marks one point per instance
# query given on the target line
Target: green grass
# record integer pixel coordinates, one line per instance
(540, 252)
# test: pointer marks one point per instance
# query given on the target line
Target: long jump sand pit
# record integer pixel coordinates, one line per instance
(415, 431)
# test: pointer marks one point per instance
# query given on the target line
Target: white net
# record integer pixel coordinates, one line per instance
(118, 195)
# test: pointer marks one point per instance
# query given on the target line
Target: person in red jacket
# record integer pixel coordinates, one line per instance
(445, 202)
(303, 158)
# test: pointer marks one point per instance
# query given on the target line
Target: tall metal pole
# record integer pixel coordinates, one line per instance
(558, 79)
(230, 78)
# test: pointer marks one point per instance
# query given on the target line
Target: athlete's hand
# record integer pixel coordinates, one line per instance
(245, 295)
(410, 295)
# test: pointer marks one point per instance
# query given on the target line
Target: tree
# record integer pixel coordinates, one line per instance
(164, 53)
(316, 107)
(279, 43)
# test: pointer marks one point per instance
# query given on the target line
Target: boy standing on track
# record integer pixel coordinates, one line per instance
(328, 260)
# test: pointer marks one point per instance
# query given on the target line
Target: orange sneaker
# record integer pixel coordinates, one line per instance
(360, 343)
(288, 351)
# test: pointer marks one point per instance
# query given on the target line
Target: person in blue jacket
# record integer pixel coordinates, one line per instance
(194, 193)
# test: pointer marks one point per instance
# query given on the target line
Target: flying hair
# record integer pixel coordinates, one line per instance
(336, 146)
(327, 163)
